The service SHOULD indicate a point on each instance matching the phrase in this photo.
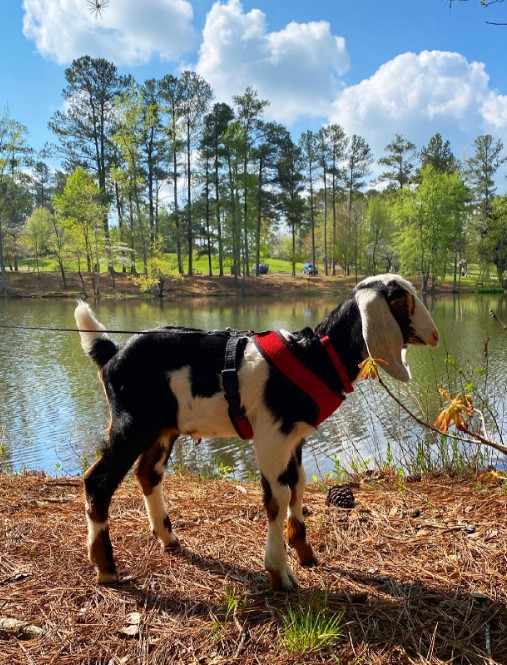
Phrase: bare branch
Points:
(473, 437)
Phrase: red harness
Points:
(275, 349)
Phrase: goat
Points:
(162, 383)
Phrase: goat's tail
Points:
(94, 340)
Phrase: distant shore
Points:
(24, 284)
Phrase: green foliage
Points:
(222, 189)
(223, 471)
(233, 603)
(81, 210)
(310, 628)
(431, 221)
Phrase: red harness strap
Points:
(274, 347)
(338, 365)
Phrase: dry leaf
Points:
(134, 618)
(130, 631)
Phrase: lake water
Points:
(53, 411)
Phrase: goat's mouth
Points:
(416, 340)
(419, 341)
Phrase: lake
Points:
(53, 411)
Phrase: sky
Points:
(376, 67)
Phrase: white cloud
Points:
(130, 32)
(417, 95)
(296, 68)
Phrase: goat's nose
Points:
(436, 336)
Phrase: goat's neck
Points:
(343, 327)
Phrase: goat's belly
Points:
(200, 417)
(205, 417)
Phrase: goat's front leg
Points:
(149, 472)
(295, 531)
(276, 501)
(272, 458)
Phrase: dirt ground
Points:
(418, 570)
(50, 285)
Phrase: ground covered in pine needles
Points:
(419, 571)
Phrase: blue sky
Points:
(377, 67)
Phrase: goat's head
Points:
(392, 316)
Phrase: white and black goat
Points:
(170, 382)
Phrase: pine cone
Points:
(414, 478)
(341, 496)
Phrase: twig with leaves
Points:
(459, 408)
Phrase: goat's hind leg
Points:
(150, 474)
(295, 531)
(101, 480)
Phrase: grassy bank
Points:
(48, 283)
(414, 573)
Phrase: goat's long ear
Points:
(382, 333)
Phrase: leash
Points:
(155, 331)
(42, 329)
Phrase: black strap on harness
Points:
(233, 352)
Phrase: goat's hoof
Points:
(285, 581)
(306, 557)
(173, 543)
(107, 578)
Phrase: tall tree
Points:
(495, 245)
(170, 94)
(309, 149)
(15, 198)
(357, 166)
(266, 154)
(400, 162)
(81, 206)
(431, 223)
(291, 182)
(235, 145)
(333, 141)
(379, 230)
(249, 111)
(480, 172)
(37, 233)
(196, 95)
(84, 129)
(132, 127)
(439, 155)
(152, 150)
(214, 154)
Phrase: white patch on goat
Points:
(208, 417)
(200, 417)
(94, 529)
(157, 514)
(381, 333)
(85, 320)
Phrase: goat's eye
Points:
(398, 303)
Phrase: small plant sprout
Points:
(233, 602)
(310, 628)
(223, 470)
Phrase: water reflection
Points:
(52, 410)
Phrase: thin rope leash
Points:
(155, 331)
(130, 332)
